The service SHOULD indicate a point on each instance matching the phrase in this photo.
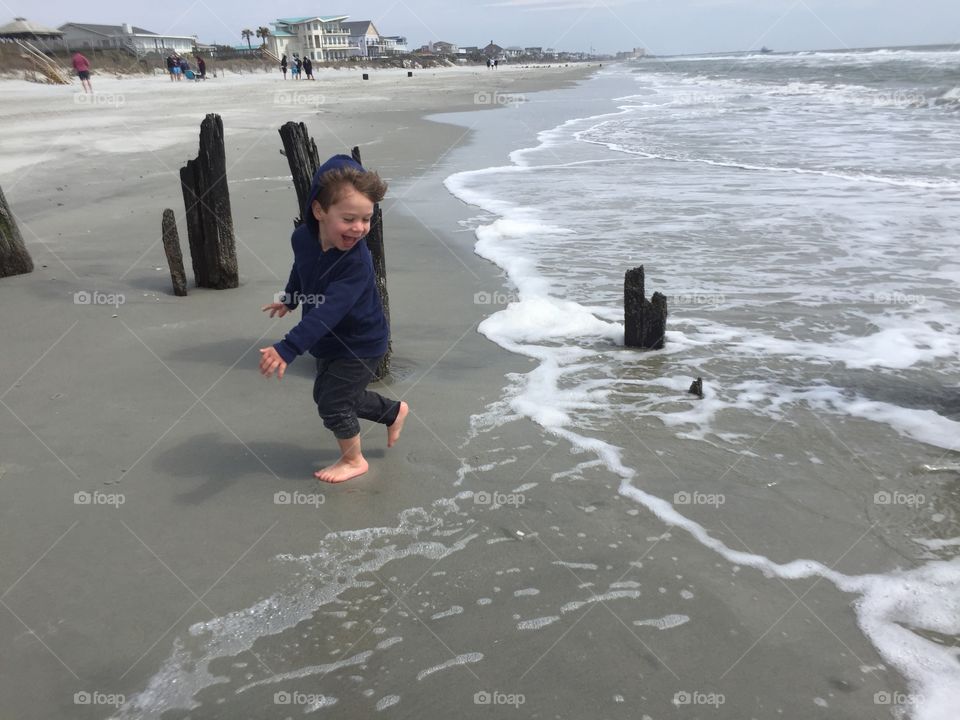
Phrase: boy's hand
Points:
(278, 309)
(270, 360)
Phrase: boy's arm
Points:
(341, 295)
(291, 293)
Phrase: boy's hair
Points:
(333, 184)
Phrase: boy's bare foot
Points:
(393, 431)
(342, 470)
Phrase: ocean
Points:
(801, 214)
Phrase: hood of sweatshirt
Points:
(334, 163)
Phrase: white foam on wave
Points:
(664, 623)
(454, 610)
(463, 659)
(321, 670)
(537, 623)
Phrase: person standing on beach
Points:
(201, 67)
(283, 66)
(82, 66)
(342, 325)
(308, 68)
(297, 64)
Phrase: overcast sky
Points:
(661, 26)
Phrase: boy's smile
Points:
(346, 222)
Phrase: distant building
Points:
(315, 37)
(492, 51)
(534, 52)
(443, 48)
(513, 51)
(137, 40)
(395, 44)
(23, 29)
(365, 38)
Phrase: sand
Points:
(179, 577)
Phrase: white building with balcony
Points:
(86, 36)
(395, 44)
(318, 38)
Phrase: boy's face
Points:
(346, 222)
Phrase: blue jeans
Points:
(341, 394)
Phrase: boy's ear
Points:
(317, 209)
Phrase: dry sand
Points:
(200, 589)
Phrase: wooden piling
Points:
(376, 247)
(14, 258)
(696, 388)
(645, 321)
(171, 247)
(206, 198)
(302, 156)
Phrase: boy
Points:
(343, 325)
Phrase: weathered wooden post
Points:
(645, 321)
(14, 258)
(375, 245)
(171, 247)
(206, 197)
(696, 388)
(302, 156)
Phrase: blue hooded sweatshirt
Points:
(342, 315)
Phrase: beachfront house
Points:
(395, 44)
(135, 40)
(443, 48)
(492, 51)
(513, 51)
(315, 37)
(365, 38)
(534, 52)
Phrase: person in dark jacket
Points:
(283, 66)
(342, 323)
(308, 68)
